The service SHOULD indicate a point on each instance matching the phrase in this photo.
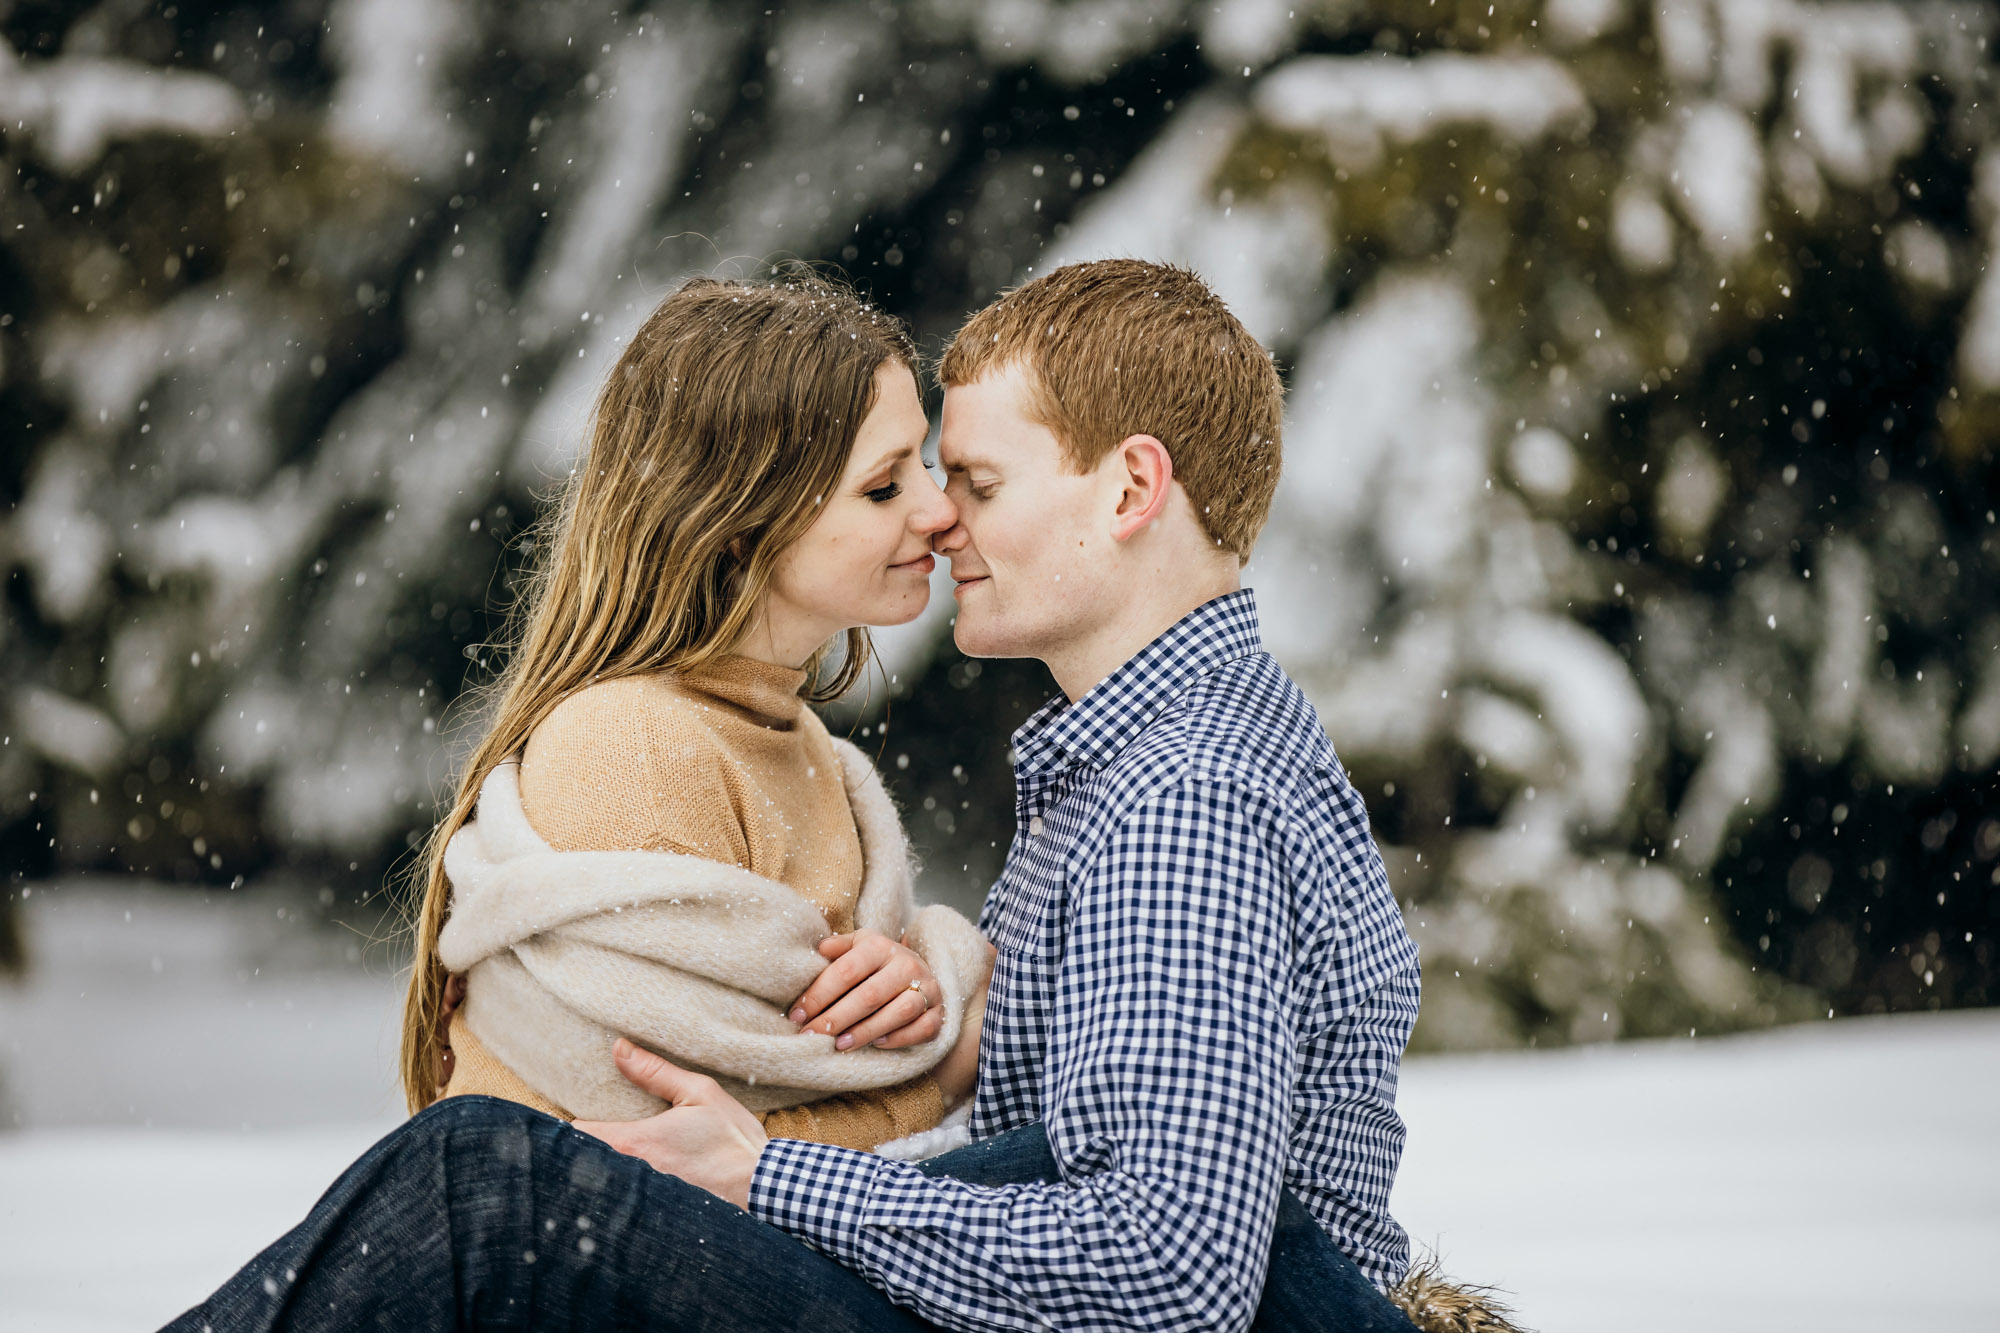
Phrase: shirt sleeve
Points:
(1166, 1101)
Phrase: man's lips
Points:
(960, 585)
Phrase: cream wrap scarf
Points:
(698, 960)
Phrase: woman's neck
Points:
(782, 635)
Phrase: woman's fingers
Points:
(865, 994)
(910, 1010)
(877, 992)
(915, 1032)
(864, 955)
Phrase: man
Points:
(1203, 987)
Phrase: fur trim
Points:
(954, 1131)
(1436, 1304)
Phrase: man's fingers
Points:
(611, 1131)
(654, 1074)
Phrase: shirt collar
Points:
(1096, 727)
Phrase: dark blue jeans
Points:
(481, 1214)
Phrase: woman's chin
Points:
(900, 612)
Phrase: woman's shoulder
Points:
(628, 714)
(628, 763)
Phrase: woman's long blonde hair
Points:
(719, 433)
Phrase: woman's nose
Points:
(934, 512)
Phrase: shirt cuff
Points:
(817, 1192)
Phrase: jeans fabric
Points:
(482, 1214)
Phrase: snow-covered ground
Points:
(151, 1006)
(1841, 1176)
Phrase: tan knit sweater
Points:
(726, 763)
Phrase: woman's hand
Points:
(865, 994)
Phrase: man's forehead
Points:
(958, 448)
(983, 424)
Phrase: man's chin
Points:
(978, 636)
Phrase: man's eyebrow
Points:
(964, 464)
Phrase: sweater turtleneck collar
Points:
(766, 692)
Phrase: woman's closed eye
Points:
(884, 494)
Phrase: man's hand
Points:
(454, 996)
(705, 1136)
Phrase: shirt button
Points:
(1035, 826)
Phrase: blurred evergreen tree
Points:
(1710, 263)
(1637, 546)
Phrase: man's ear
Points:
(1145, 473)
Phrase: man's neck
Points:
(1081, 666)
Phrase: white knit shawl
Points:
(698, 960)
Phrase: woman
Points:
(683, 830)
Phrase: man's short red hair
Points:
(1121, 347)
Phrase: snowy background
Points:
(1637, 543)
(1838, 1177)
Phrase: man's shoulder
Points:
(1246, 725)
(1247, 733)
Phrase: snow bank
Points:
(1838, 1177)
(1720, 177)
(189, 1075)
(1743, 1184)
(395, 60)
(69, 731)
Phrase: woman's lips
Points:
(923, 564)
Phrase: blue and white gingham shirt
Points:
(1204, 988)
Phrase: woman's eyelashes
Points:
(883, 494)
